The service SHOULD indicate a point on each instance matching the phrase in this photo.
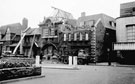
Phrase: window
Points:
(56, 32)
(87, 37)
(65, 37)
(75, 36)
(52, 31)
(133, 11)
(112, 24)
(81, 36)
(130, 32)
(45, 32)
(69, 37)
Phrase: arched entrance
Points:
(49, 50)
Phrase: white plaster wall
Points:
(121, 27)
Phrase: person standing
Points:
(41, 57)
(109, 56)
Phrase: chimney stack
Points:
(83, 14)
(25, 23)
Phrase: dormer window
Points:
(133, 11)
(112, 24)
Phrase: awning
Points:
(124, 46)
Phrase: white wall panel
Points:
(121, 27)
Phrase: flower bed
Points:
(15, 67)
(8, 64)
(19, 72)
(30, 61)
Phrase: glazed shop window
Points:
(130, 32)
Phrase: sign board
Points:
(124, 46)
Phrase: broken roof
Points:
(33, 31)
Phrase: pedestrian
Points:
(109, 56)
(41, 57)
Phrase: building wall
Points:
(49, 38)
(100, 34)
(28, 43)
(127, 9)
(121, 34)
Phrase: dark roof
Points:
(125, 16)
(105, 19)
(33, 31)
(14, 28)
(127, 5)
(72, 22)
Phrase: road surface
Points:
(85, 75)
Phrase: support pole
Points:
(70, 60)
(21, 47)
(75, 60)
(37, 60)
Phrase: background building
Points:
(83, 37)
(10, 35)
(125, 32)
(88, 37)
(49, 37)
(32, 42)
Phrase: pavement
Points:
(113, 64)
(85, 75)
(59, 66)
(75, 67)
(21, 79)
(68, 67)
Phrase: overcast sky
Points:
(13, 11)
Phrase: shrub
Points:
(17, 67)
(19, 72)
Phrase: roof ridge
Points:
(10, 24)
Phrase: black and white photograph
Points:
(67, 41)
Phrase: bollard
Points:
(37, 60)
(70, 60)
(75, 60)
